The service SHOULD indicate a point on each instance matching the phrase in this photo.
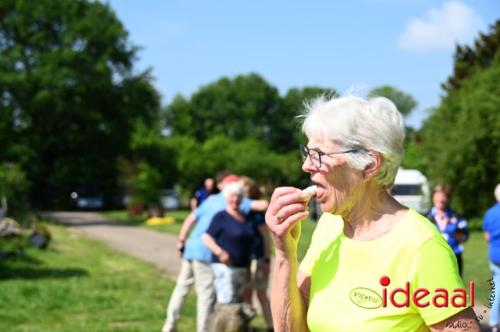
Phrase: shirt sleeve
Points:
(486, 223)
(435, 266)
(246, 205)
(202, 209)
(216, 225)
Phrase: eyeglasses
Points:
(316, 154)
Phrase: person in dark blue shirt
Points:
(203, 193)
(491, 228)
(229, 237)
(453, 227)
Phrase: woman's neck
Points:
(441, 211)
(373, 215)
(234, 212)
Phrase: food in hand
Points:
(309, 192)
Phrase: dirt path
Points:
(155, 247)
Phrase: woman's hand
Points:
(179, 247)
(288, 206)
(224, 257)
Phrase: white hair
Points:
(233, 188)
(497, 192)
(355, 123)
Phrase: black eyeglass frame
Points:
(306, 152)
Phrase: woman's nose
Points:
(307, 165)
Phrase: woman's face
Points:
(234, 201)
(440, 200)
(338, 184)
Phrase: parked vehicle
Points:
(86, 199)
(170, 199)
(411, 189)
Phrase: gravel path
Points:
(155, 247)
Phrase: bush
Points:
(14, 186)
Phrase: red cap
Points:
(230, 178)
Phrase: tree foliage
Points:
(237, 108)
(68, 95)
(461, 139)
(403, 101)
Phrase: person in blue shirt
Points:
(491, 228)
(196, 257)
(453, 227)
(203, 193)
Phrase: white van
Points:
(412, 189)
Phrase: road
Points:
(155, 247)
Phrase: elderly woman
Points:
(373, 264)
(230, 237)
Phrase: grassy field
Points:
(476, 268)
(81, 285)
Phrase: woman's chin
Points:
(326, 207)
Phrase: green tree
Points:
(461, 139)
(69, 97)
(287, 134)
(403, 101)
(237, 108)
(14, 188)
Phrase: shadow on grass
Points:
(33, 273)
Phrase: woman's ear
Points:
(372, 168)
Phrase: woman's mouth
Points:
(320, 193)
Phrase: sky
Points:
(351, 46)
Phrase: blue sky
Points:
(333, 44)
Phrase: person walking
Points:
(491, 228)
(196, 257)
(203, 193)
(230, 238)
(453, 227)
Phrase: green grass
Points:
(476, 267)
(174, 228)
(81, 285)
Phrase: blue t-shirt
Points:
(455, 224)
(257, 219)
(195, 249)
(234, 237)
(492, 226)
(201, 195)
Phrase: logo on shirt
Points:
(365, 298)
(402, 297)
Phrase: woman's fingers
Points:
(287, 224)
(289, 210)
(288, 205)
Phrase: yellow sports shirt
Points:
(350, 279)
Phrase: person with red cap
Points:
(196, 257)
